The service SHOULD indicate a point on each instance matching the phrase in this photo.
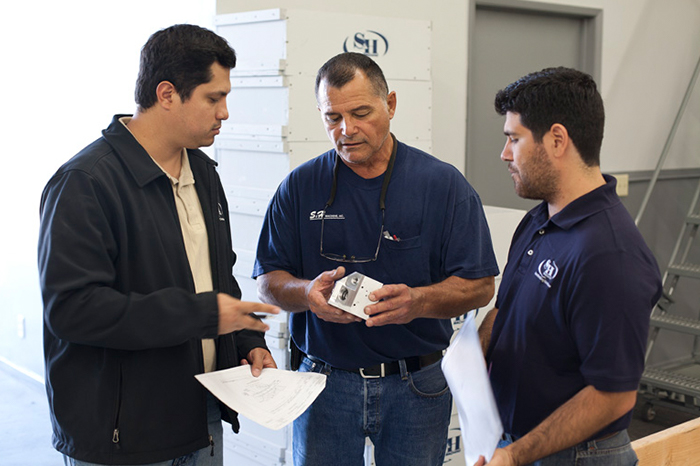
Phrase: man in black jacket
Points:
(136, 262)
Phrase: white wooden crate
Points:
(274, 106)
(295, 42)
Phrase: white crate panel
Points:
(250, 143)
(240, 169)
(413, 118)
(302, 151)
(260, 43)
(248, 287)
(257, 81)
(250, 17)
(256, 133)
(255, 207)
(454, 454)
(279, 331)
(243, 270)
(402, 45)
(243, 449)
(258, 106)
(245, 230)
(298, 42)
(502, 223)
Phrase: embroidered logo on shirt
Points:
(221, 213)
(318, 215)
(546, 272)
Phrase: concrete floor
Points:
(25, 427)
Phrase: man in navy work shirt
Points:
(567, 338)
(401, 217)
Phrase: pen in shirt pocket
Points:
(391, 237)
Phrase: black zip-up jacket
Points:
(122, 323)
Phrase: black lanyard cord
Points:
(385, 184)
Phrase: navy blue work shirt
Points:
(436, 228)
(574, 307)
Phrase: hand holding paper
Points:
(273, 400)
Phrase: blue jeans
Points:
(612, 451)
(406, 416)
(201, 457)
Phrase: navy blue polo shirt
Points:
(574, 306)
(437, 228)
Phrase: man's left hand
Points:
(398, 304)
(500, 457)
(259, 359)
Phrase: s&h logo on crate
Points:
(370, 43)
(454, 445)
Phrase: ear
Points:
(391, 104)
(559, 138)
(165, 92)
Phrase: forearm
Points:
(486, 329)
(284, 290)
(102, 316)
(454, 296)
(588, 412)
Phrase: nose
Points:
(348, 127)
(507, 153)
(222, 114)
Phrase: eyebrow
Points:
(352, 110)
(218, 94)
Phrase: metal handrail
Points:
(669, 140)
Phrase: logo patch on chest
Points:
(318, 215)
(547, 271)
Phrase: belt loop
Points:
(402, 369)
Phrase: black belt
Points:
(413, 364)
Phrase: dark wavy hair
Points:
(340, 70)
(558, 95)
(181, 54)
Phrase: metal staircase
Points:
(676, 383)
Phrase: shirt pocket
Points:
(403, 260)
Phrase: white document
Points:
(273, 400)
(465, 370)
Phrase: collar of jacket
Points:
(135, 157)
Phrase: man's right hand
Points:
(235, 314)
(317, 293)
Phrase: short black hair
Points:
(181, 54)
(341, 69)
(558, 95)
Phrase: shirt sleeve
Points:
(610, 304)
(467, 248)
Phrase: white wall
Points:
(68, 66)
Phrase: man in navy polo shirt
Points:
(567, 338)
(402, 217)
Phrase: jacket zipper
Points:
(115, 433)
(211, 442)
